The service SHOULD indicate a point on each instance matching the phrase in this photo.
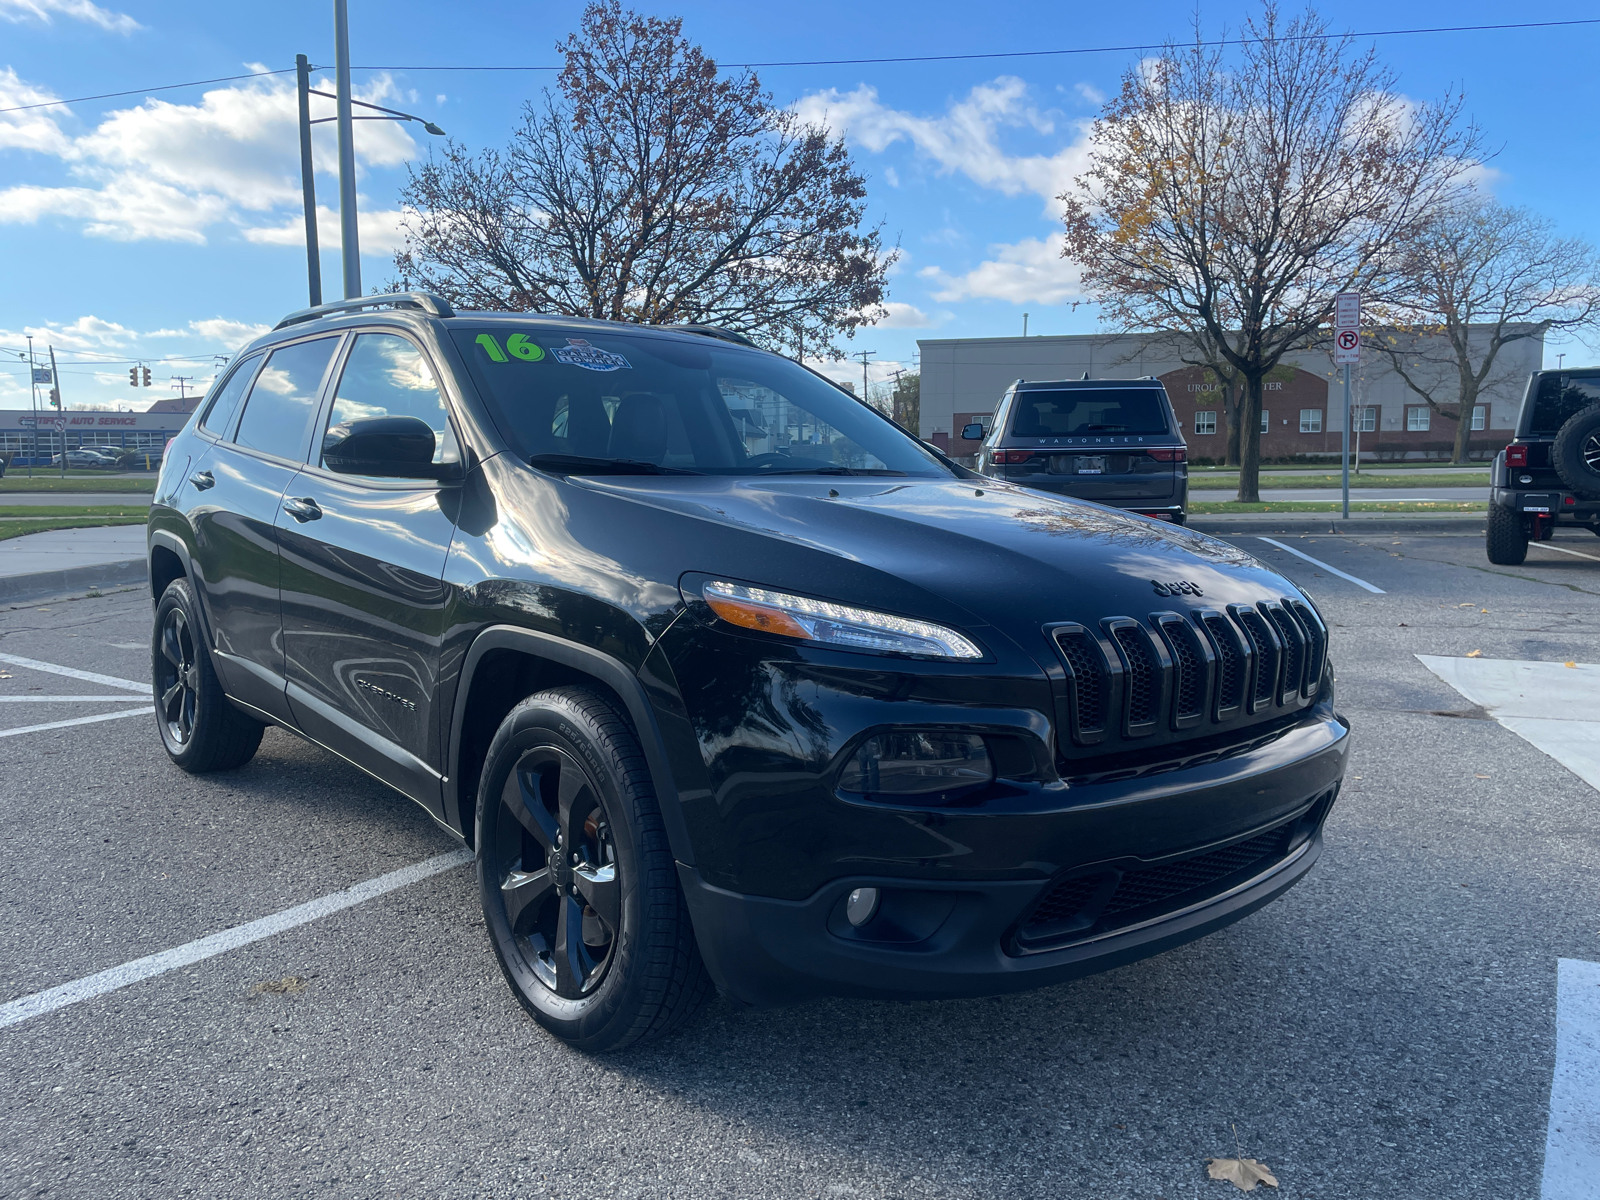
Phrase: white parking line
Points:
(33, 664)
(1572, 1139)
(1564, 550)
(1317, 562)
(116, 716)
(90, 986)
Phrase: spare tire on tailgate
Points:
(1575, 454)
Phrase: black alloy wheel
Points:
(199, 728)
(557, 862)
(577, 879)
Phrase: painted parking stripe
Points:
(1572, 1139)
(116, 716)
(90, 986)
(1564, 550)
(33, 664)
(1317, 562)
(71, 699)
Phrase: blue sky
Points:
(166, 225)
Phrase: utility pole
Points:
(349, 241)
(61, 408)
(308, 184)
(181, 380)
(863, 355)
(34, 401)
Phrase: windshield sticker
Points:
(579, 353)
(520, 347)
(492, 347)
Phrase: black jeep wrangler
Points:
(729, 680)
(1550, 474)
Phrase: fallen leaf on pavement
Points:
(1480, 777)
(1483, 610)
(1573, 665)
(1474, 653)
(1243, 1173)
(1464, 606)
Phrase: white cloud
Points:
(227, 333)
(904, 316)
(164, 171)
(965, 139)
(1090, 93)
(33, 130)
(77, 10)
(379, 230)
(1029, 271)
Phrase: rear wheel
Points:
(1507, 537)
(199, 728)
(579, 888)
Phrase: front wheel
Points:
(201, 731)
(579, 888)
(1506, 539)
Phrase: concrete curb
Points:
(14, 588)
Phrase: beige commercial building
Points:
(963, 378)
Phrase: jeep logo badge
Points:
(1177, 587)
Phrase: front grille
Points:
(1100, 902)
(1143, 696)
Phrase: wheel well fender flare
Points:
(165, 539)
(604, 669)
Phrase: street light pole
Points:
(308, 183)
(349, 242)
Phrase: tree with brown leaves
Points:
(650, 187)
(1477, 278)
(1231, 195)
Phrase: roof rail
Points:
(716, 331)
(433, 305)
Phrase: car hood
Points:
(1003, 553)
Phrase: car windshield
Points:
(594, 401)
(1079, 411)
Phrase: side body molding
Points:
(608, 670)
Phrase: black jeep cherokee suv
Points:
(727, 678)
(1550, 473)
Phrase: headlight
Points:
(833, 624)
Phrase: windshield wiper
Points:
(582, 464)
(828, 471)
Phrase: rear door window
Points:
(1088, 412)
(277, 416)
(1560, 398)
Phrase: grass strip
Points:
(1219, 483)
(46, 512)
(15, 481)
(1215, 507)
(11, 527)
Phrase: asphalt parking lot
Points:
(1386, 1028)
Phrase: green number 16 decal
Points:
(517, 343)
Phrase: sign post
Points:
(1346, 350)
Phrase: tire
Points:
(1506, 539)
(1575, 454)
(595, 941)
(200, 730)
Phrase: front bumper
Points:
(970, 937)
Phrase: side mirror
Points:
(972, 432)
(390, 447)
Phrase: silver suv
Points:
(1113, 441)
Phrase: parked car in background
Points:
(727, 678)
(1113, 441)
(1550, 473)
(84, 459)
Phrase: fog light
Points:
(917, 764)
(861, 906)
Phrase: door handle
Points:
(203, 480)
(302, 509)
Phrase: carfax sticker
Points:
(579, 353)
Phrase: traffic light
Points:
(133, 376)
(147, 377)
(55, 397)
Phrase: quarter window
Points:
(1310, 420)
(283, 400)
(1205, 420)
(1417, 420)
(386, 376)
(219, 414)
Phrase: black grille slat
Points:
(1088, 679)
(1266, 653)
(1230, 666)
(1294, 651)
(1190, 700)
(1143, 686)
(1316, 645)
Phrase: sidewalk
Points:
(71, 560)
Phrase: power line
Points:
(852, 62)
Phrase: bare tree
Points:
(1231, 199)
(1469, 283)
(651, 188)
